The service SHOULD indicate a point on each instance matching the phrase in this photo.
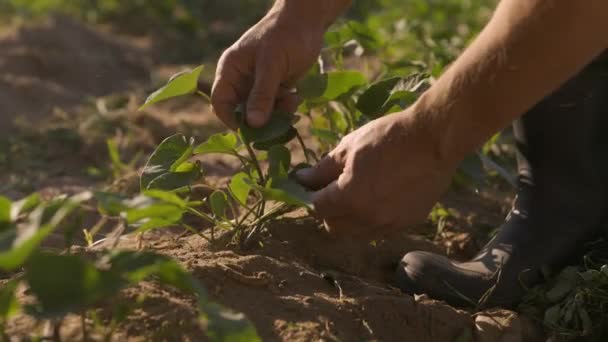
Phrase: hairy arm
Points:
(529, 48)
(390, 172)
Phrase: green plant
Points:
(69, 283)
(572, 304)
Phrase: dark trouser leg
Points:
(562, 201)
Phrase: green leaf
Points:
(286, 191)
(218, 143)
(66, 283)
(24, 205)
(342, 82)
(165, 196)
(552, 316)
(283, 139)
(320, 88)
(9, 305)
(566, 282)
(155, 215)
(313, 84)
(278, 125)
(5, 212)
(186, 174)
(114, 153)
(183, 83)
(110, 204)
(400, 99)
(219, 203)
(167, 168)
(279, 160)
(240, 188)
(372, 101)
(17, 245)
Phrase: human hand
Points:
(262, 67)
(387, 174)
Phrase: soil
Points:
(297, 284)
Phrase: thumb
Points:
(264, 92)
(320, 175)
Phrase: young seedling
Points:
(243, 206)
(67, 283)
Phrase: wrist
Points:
(445, 125)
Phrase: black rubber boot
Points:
(562, 202)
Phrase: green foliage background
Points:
(432, 30)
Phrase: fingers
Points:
(288, 101)
(325, 172)
(268, 75)
(224, 99)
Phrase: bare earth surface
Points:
(298, 284)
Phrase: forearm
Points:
(320, 13)
(529, 48)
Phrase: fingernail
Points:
(304, 174)
(256, 118)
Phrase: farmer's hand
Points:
(387, 174)
(262, 67)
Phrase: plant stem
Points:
(257, 224)
(256, 163)
(205, 96)
(192, 230)
(200, 214)
(304, 149)
(83, 324)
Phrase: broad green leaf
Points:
(5, 212)
(239, 187)
(400, 99)
(219, 203)
(218, 143)
(313, 84)
(552, 316)
(9, 305)
(166, 196)
(110, 204)
(342, 82)
(24, 205)
(279, 161)
(67, 283)
(338, 122)
(184, 83)
(371, 102)
(17, 245)
(283, 139)
(286, 191)
(167, 168)
(566, 282)
(320, 88)
(280, 123)
(186, 174)
(156, 215)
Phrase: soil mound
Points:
(61, 63)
